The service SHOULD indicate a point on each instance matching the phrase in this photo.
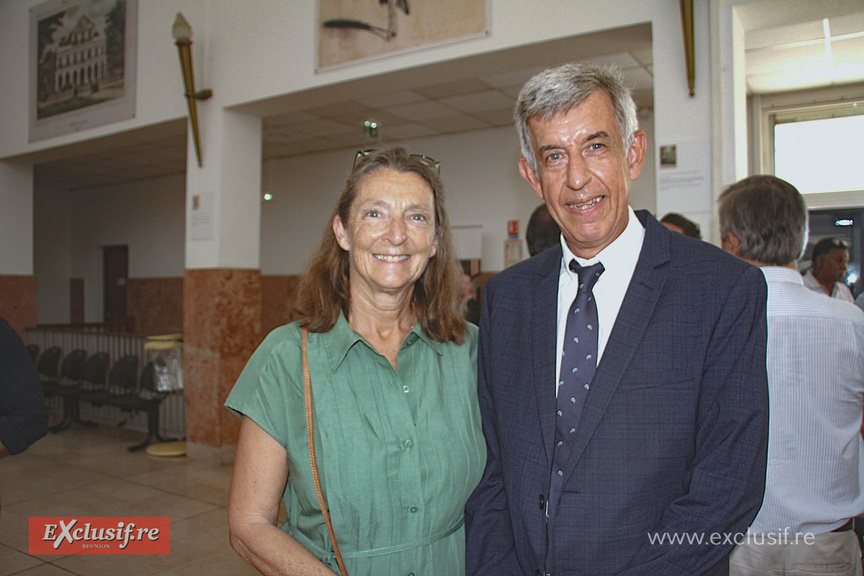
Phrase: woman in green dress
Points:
(393, 367)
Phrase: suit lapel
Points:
(628, 331)
(544, 315)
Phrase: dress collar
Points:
(342, 338)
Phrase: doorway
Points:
(115, 274)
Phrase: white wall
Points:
(16, 219)
(159, 81)
(147, 216)
(52, 255)
(261, 49)
(481, 181)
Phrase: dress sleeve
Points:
(271, 382)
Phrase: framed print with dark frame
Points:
(82, 65)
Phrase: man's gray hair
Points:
(560, 89)
(768, 215)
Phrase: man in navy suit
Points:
(662, 468)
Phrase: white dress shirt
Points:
(815, 360)
(841, 291)
(619, 262)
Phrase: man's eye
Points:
(373, 213)
(418, 217)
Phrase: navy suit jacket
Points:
(673, 436)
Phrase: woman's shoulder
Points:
(287, 333)
(469, 338)
(280, 342)
(471, 332)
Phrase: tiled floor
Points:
(89, 472)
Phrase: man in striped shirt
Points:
(815, 479)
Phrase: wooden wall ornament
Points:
(687, 25)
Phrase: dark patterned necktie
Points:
(578, 362)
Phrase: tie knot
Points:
(588, 275)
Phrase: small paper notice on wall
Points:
(685, 177)
(201, 216)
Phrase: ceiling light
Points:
(829, 54)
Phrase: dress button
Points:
(413, 509)
(409, 443)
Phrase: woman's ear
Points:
(341, 234)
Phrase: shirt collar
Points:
(782, 274)
(621, 250)
(342, 338)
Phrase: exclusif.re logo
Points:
(100, 535)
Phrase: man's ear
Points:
(733, 244)
(530, 176)
(636, 156)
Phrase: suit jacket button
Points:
(538, 573)
(542, 502)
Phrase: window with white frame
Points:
(821, 150)
(814, 140)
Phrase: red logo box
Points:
(100, 535)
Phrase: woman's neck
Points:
(384, 320)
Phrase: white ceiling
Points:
(786, 49)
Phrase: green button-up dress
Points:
(399, 452)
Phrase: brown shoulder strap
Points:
(307, 394)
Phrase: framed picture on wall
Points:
(351, 30)
(82, 65)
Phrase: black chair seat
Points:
(145, 398)
(131, 402)
(93, 386)
(65, 384)
(54, 388)
(94, 397)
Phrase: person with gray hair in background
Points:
(815, 479)
(621, 373)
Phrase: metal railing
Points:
(172, 413)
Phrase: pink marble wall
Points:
(155, 305)
(277, 293)
(18, 301)
(221, 329)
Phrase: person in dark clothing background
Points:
(23, 417)
(542, 231)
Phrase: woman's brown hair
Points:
(324, 289)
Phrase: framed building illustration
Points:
(82, 65)
(351, 30)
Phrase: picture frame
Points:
(356, 30)
(82, 59)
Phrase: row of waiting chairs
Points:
(80, 377)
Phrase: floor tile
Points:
(88, 472)
(12, 561)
